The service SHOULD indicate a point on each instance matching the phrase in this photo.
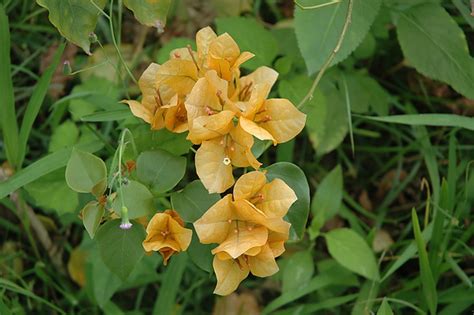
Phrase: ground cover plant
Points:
(236, 157)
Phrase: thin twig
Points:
(317, 6)
(331, 56)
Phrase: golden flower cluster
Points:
(248, 225)
(202, 92)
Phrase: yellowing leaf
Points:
(150, 12)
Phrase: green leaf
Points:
(294, 177)
(149, 140)
(91, 216)
(385, 308)
(160, 170)
(109, 115)
(52, 192)
(298, 270)
(65, 135)
(74, 19)
(350, 250)
(35, 102)
(42, 167)
(101, 283)
(8, 121)
(137, 198)
(250, 36)
(150, 12)
(175, 42)
(427, 281)
(86, 173)
(318, 30)
(193, 201)
(436, 46)
(120, 249)
(442, 120)
(201, 254)
(166, 302)
(327, 200)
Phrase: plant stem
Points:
(317, 6)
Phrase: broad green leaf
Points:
(294, 177)
(160, 170)
(365, 92)
(110, 115)
(65, 135)
(120, 249)
(52, 193)
(166, 302)
(91, 216)
(327, 200)
(367, 48)
(150, 12)
(176, 42)
(201, 254)
(326, 125)
(427, 282)
(298, 270)
(86, 173)
(149, 140)
(193, 201)
(318, 30)
(436, 46)
(442, 120)
(250, 36)
(350, 250)
(101, 283)
(137, 198)
(74, 19)
(42, 167)
(385, 308)
(8, 121)
(35, 102)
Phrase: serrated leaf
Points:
(193, 201)
(150, 12)
(86, 173)
(436, 46)
(74, 19)
(160, 170)
(350, 250)
(318, 30)
(294, 177)
(136, 197)
(120, 249)
(250, 36)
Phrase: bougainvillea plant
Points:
(230, 120)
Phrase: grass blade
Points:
(35, 102)
(7, 105)
(427, 281)
(458, 271)
(441, 120)
(165, 305)
(42, 167)
(111, 115)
